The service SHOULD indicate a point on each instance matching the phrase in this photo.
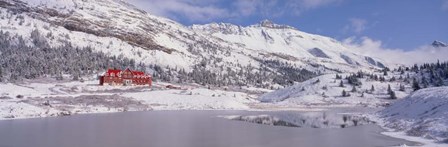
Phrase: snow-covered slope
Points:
(423, 113)
(286, 40)
(326, 90)
(120, 29)
(110, 26)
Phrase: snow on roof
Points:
(115, 71)
(137, 72)
(134, 72)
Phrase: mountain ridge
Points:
(118, 28)
(276, 38)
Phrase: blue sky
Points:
(396, 24)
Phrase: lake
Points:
(180, 129)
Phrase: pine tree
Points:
(1, 74)
(392, 79)
(338, 76)
(389, 90)
(317, 81)
(415, 85)
(439, 81)
(402, 88)
(372, 89)
(382, 79)
(354, 89)
(392, 95)
(341, 84)
(425, 82)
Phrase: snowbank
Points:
(196, 99)
(12, 90)
(423, 113)
(46, 99)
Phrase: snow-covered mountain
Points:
(286, 40)
(119, 29)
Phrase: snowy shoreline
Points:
(67, 98)
(37, 100)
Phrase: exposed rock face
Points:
(86, 19)
(269, 24)
(318, 53)
(439, 44)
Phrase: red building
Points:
(125, 77)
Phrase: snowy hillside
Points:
(367, 88)
(119, 29)
(328, 90)
(285, 40)
(423, 113)
(110, 26)
(414, 98)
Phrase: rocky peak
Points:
(437, 43)
(266, 23)
(269, 24)
(225, 28)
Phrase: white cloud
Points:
(374, 48)
(197, 11)
(209, 10)
(246, 7)
(445, 5)
(299, 6)
(309, 4)
(356, 25)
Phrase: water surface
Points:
(179, 129)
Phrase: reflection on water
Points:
(304, 120)
(179, 129)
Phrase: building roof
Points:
(116, 72)
(138, 73)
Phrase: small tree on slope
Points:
(389, 90)
(354, 89)
(392, 95)
(415, 85)
(341, 84)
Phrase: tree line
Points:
(20, 61)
